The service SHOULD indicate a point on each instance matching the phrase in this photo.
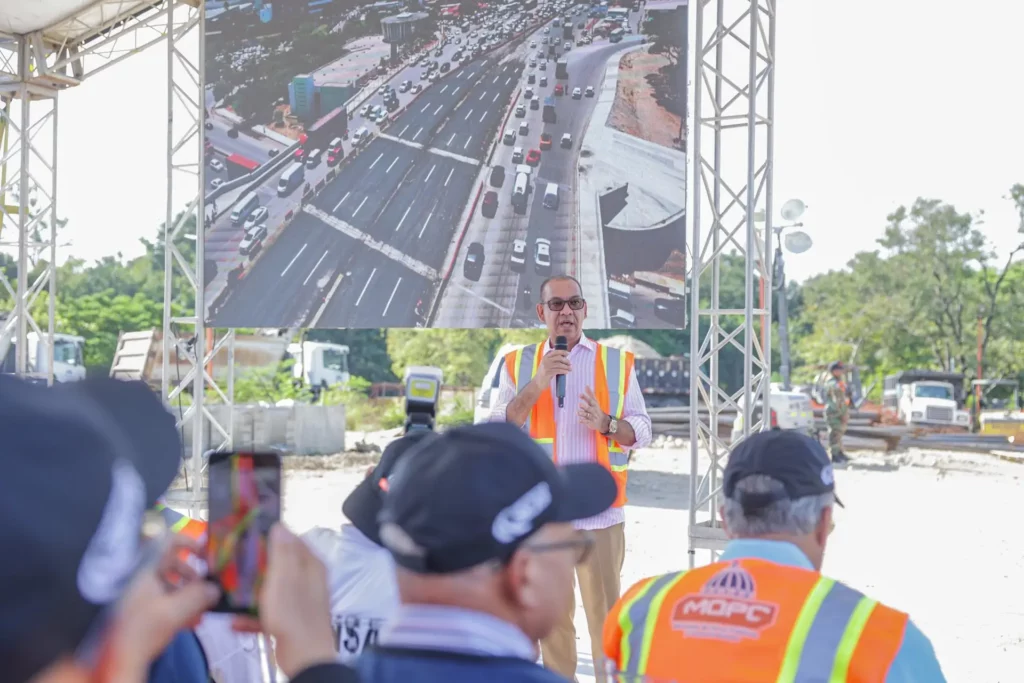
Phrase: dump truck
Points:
(926, 398)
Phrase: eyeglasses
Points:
(576, 303)
(583, 544)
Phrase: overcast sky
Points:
(876, 104)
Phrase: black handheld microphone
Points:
(561, 344)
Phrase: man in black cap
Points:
(361, 573)
(837, 411)
(479, 521)
(73, 495)
(764, 606)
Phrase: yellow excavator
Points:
(999, 408)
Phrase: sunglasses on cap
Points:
(576, 303)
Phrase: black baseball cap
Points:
(836, 365)
(796, 460)
(363, 505)
(475, 493)
(82, 464)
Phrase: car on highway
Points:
(313, 160)
(542, 256)
(547, 29)
(520, 110)
(417, 89)
(559, 89)
(489, 207)
(671, 310)
(445, 68)
(533, 157)
(300, 154)
(510, 137)
(528, 93)
(216, 182)
(534, 104)
(517, 258)
(252, 240)
(256, 217)
(524, 129)
(545, 141)
(543, 67)
(517, 155)
(543, 79)
(577, 93)
(566, 142)
(589, 92)
(473, 266)
(365, 111)
(217, 165)
(566, 46)
(497, 176)
(533, 63)
(533, 44)
(532, 78)
(425, 74)
(406, 84)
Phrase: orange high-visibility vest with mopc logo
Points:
(611, 380)
(750, 621)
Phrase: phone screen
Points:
(245, 502)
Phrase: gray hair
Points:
(796, 517)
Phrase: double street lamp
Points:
(796, 242)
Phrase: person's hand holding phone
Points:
(294, 605)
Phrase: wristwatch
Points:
(613, 426)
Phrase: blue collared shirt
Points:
(915, 661)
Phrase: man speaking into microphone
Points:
(580, 401)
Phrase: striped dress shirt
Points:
(575, 442)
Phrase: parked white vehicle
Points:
(790, 410)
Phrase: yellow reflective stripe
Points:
(851, 636)
(537, 355)
(651, 623)
(626, 625)
(622, 385)
(619, 468)
(543, 441)
(180, 524)
(795, 646)
(514, 370)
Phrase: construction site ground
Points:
(936, 534)
(645, 85)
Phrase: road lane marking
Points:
(372, 273)
(466, 145)
(449, 176)
(496, 78)
(443, 89)
(508, 80)
(430, 172)
(314, 269)
(409, 208)
(432, 150)
(429, 216)
(438, 110)
(455, 92)
(376, 160)
(417, 133)
(452, 139)
(392, 164)
(338, 205)
(496, 96)
(294, 259)
(391, 298)
(359, 207)
(425, 107)
(469, 291)
(327, 299)
(468, 113)
(483, 116)
(418, 267)
(404, 129)
(483, 95)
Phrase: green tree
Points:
(463, 355)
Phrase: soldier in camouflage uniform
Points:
(837, 411)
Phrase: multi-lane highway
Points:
(344, 261)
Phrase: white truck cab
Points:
(320, 364)
(790, 410)
(68, 355)
(925, 397)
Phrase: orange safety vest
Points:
(181, 524)
(611, 382)
(750, 621)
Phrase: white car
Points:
(533, 44)
(417, 88)
(589, 92)
(566, 141)
(216, 182)
(577, 93)
(217, 165)
(542, 256)
(252, 239)
(518, 256)
(365, 111)
(255, 218)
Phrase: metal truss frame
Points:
(186, 335)
(734, 83)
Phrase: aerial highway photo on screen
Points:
(418, 164)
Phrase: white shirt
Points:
(454, 629)
(363, 589)
(232, 657)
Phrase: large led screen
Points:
(398, 164)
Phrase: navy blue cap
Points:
(797, 461)
(363, 505)
(475, 493)
(82, 464)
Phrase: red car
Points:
(545, 141)
(533, 157)
(559, 89)
(299, 154)
(490, 206)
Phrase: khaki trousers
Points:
(599, 587)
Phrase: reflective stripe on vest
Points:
(181, 524)
(820, 647)
(611, 376)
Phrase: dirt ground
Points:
(645, 85)
(934, 534)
